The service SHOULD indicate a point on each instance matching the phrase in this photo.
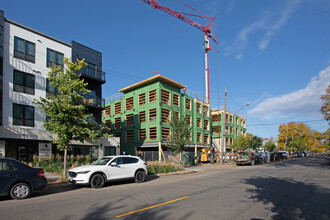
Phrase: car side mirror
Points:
(113, 164)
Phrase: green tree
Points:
(270, 146)
(325, 109)
(240, 144)
(181, 134)
(254, 142)
(68, 116)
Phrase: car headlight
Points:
(83, 172)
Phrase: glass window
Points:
(6, 165)
(24, 49)
(128, 160)
(54, 57)
(23, 82)
(50, 89)
(23, 115)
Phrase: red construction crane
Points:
(206, 30)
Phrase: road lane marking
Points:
(151, 207)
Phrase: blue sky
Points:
(273, 54)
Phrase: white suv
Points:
(109, 168)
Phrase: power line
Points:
(286, 123)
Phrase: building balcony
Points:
(94, 102)
(92, 74)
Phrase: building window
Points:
(216, 129)
(165, 97)
(152, 133)
(90, 70)
(236, 132)
(142, 99)
(236, 121)
(199, 109)
(176, 115)
(206, 124)
(215, 117)
(175, 99)
(107, 111)
(24, 49)
(199, 122)
(129, 103)
(117, 123)
(188, 119)
(188, 104)
(129, 120)
(118, 108)
(142, 134)
(54, 58)
(166, 134)
(206, 111)
(152, 96)
(206, 139)
(129, 136)
(166, 117)
(152, 114)
(199, 137)
(23, 115)
(50, 89)
(142, 117)
(108, 124)
(23, 82)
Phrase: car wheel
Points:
(97, 181)
(140, 176)
(20, 191)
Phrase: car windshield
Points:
(102, 161)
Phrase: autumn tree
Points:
(249, 141)
(66, 112)
(240, 144)
(325, 109)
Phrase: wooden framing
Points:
(188, 119)
(142, 99)
(199, 122)
(117, 123)
(166, 116)
(129, 136)
(117, 134)
(165, 97)
(199, 137)
(176, 100)
(153, 133)
(152, 96)
(199, 109)
(176, 114)
(142, 134)
(142, 117)
(188, 104)
(107, 124)
(216, 129)
(216, 118)
(166, 132)
(129, 120)
(117, 108)
(152, 114)
(206, 124)
(107, 111)
(206, 139)
(206, 111)
(236, 131)
(227, 141)
(129, 103)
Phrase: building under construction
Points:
(141, 116)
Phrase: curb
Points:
(65, 185)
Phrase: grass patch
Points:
(155, 167)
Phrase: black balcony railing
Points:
(93, 101)
(92, 73)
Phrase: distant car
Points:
(285, 155)
(301, 154)
(19, 180)
(294, 155)
(245, 157)
(109, 168)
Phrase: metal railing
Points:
(93, 73)
(93, 101)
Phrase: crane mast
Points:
(206, 30)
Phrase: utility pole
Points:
(286, 137)
(223, 130)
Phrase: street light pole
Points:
(223, 130)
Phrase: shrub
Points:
(155, 167)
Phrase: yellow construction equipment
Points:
(208, 155)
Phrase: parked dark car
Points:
(294, 155)
(285, 155)
(262, 157)
(245, 157)
(19, 180)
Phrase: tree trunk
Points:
(64, 166)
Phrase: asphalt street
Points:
(292, 189)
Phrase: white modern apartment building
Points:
(25, 58)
